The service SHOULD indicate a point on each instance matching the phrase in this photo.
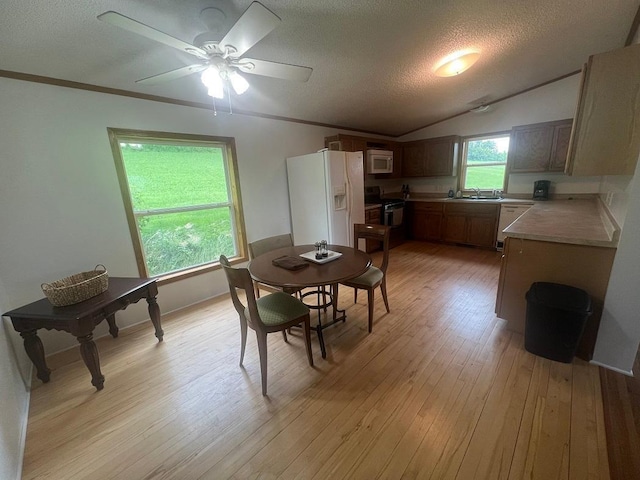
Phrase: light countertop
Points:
(578, 221)
(499, 201)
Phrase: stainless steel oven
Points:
(392, 208)
(392, 213)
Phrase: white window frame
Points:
(463, 161)
(118, 136)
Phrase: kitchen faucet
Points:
(477, 190)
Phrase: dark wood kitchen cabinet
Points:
(354, 143)
(433, 157)
(470, 223)
(539, 147)
(425, 220)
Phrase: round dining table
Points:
(350, 264)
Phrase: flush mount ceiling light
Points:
(456, 63)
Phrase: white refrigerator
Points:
(326, 195)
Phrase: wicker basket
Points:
(77, 288)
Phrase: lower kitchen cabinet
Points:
(425, 220)
(527, 261)
(470, 224)
(465, 223)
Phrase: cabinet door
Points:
(560, 148)
(455, 228)
(481, 230)
(413, 159)
(419, 221)
(605, 138)
(440, 161)
(530, 148)
(433, 226)
(359, 144)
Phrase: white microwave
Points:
(379, 161)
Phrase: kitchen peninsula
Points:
(572, 242)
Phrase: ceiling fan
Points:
(221, 61)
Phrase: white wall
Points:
(555, 101)
(619, 333)
(61, 210)
(15, 369)
(61, 206)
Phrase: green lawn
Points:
(485, 178)
(173, 176)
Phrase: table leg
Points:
(113, 328)
(89, 353)
(35, 351)
(154, 313)
(318, 330)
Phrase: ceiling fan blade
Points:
(254, 24)
(172, 75)
(119, 20)
(274, 69)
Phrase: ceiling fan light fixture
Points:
(212, 80)
(456, 63)
(238, 82)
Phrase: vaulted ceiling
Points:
(372, 60)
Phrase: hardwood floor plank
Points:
(440, 389)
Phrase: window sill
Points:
(192, 272)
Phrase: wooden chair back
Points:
(379, 233)
(265, 245)
(240, 279)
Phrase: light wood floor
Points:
(440, 389)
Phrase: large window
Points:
(484, 162)
(182, 199)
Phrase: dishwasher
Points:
(508, 215)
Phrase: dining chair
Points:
(265, 245)
(272, 313)
(374, 276)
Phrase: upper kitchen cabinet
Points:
(539, 147)
(346, 143)
(354, 143)
(606, 139)
(433, 157)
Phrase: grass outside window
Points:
(182, 199)
(484, 162)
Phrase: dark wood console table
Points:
(80, 320)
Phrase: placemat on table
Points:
(290, 263)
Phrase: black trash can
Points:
(556, 317)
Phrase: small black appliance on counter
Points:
(541, 189)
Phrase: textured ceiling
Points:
(372, 60)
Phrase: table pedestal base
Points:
(338, 315)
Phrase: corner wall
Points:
(619, 333)
(62, 211)
(15, 372)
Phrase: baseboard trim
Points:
(628, 373)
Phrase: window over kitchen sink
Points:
(484, 162)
